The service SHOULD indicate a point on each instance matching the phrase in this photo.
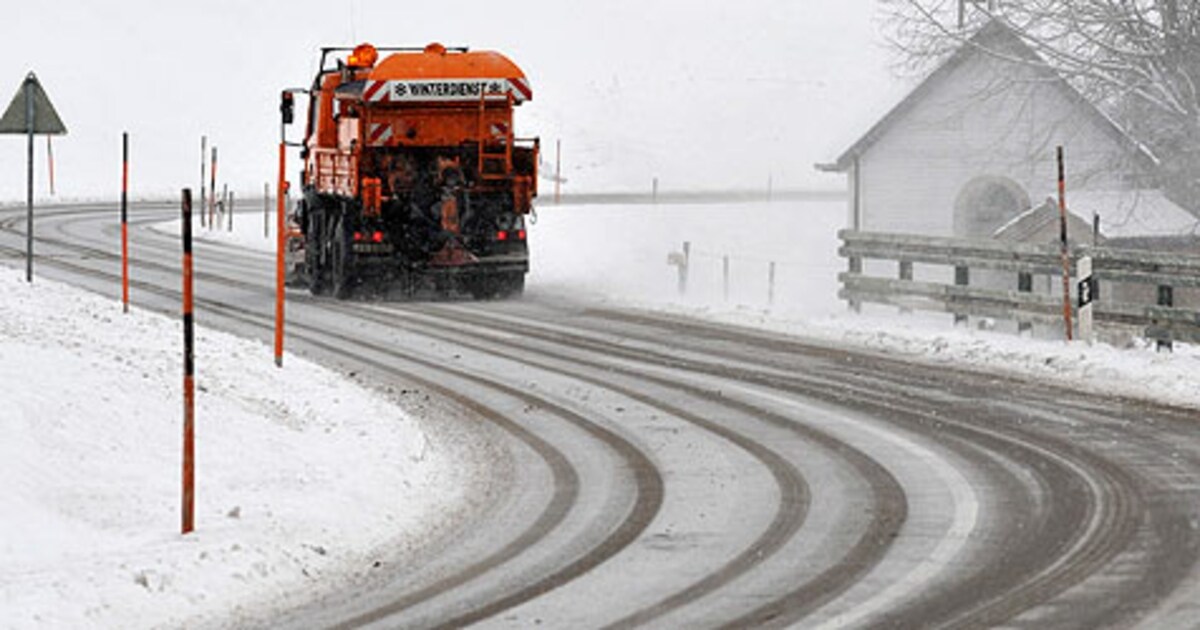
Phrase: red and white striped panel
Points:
(520, 89)
(376, 92)
(379, 135)
(446, 90)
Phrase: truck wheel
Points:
(312, 255)
(341, 272)
(514, 285)
(480, 287)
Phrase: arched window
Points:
(986, 203)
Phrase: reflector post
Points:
(125, 220)
(280, 244)
(189, 370)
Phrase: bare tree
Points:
(1139, 60)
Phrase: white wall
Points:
(987, 117)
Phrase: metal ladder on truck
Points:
(494, 165)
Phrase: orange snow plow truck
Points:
(413, 178)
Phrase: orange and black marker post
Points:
(189, 385)
(280, 244)
(125, 220)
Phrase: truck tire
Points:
(515, 285)
(312, 253)
(341, 273)
(508, 285)
(481, 287)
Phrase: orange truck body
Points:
(413, 176)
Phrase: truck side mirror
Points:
(287, 107)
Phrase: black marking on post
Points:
(1166, 298)
(962, 278)
(1024, 285)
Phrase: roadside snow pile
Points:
(304, 479)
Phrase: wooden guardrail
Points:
(1164, 321)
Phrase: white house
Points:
(973, 147)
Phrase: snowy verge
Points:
(305, 480)
(1137, 372)
(801, 237)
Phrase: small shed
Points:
(1043, 225)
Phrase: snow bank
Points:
(1137, 372)
(298, 488)
(618, 255)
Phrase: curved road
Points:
(646, 470)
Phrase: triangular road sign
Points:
(45, 119)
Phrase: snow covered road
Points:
(639, 468)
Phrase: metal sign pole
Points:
(30, 113)
(50, 162)
(29, 118)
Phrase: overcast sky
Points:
(699, 93)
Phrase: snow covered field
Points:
(298, 488)
(299, 494)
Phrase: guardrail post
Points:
(856, 268)
(266, 210)
(203, 181)
(771, 284)
(962, 278)
(725, 276)
(212, 192)
(1166, 297)
(681, 260)
(687, 264)
(906, 274)
(1024, 285)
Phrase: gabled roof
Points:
(1124, 215)
(1025, 227)
(994, 37)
